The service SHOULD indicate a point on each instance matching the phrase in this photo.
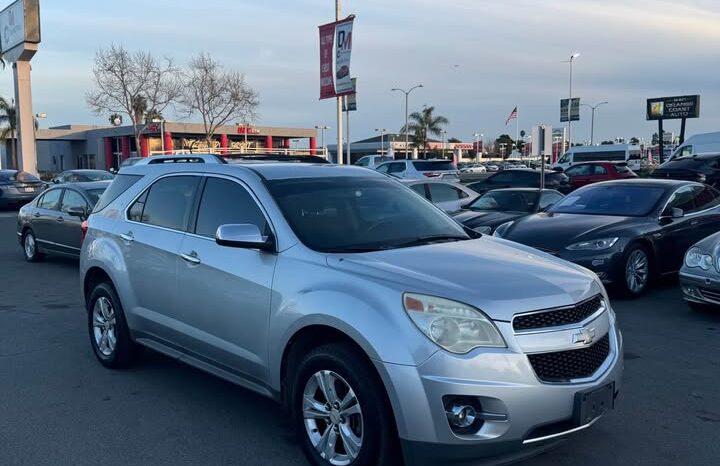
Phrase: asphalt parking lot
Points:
(58, 406)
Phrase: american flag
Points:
(512, 116)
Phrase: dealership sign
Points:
(19, 22)
(574, 110)
(669, 108)
(335, 52)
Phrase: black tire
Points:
(379, 446)
(625, 284)
(125, 351)
(31, 253)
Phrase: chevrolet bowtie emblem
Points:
(586, 336)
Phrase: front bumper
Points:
(15, 197)
(700, 289)
(607, 265)
(522, 415)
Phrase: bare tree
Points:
(131, 84)
(217, 95)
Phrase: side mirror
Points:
(677, 213)
(55, 180)
(79, 212)
(668, 215)
(244, 235)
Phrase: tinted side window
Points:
(579, 170)
(226, 202)
(505, 177)
(396, 167)
(548, 199)
(682, 199)
(706, 198)
(136, 210)
(363, 162)
(526, 178)
(120, 184)
(420, 189)
(50, 200)
(443, 193)
(72, 199)
(599, 170)
(169, 202)
(383, 168)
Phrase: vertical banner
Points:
(335, 52)
(327, 83)
(343, 49)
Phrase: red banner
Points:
(327, 83)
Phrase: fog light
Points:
(690, 291)
(462, 414)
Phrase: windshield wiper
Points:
(429, 239)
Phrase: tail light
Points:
(431, 174)
(83, 231)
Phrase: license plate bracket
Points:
(591, 404)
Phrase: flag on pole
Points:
(512, 116)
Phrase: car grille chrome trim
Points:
(708, 294)
(563, 317)
(571, 365)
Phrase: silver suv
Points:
(305, 283)
(439, 169)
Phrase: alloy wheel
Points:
(30, 246)
(333, 418)
(637, 271)
(104, 326)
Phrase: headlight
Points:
(453, 326)
(593, 245)
(696, 258)
(485, 230)
(502, 229)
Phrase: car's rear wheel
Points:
(30, 247)
(637, 271)
(340, 410)
(109, 335)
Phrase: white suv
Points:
(420, 169)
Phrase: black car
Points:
(83, 176)
(17, 188)
(522, 178)
(51, 224)
(498, 206)
(626, 231)
(703, 168)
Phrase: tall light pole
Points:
(572, 58)
(382, 132)
(477, 147)
(592, 119)
(407, 93)
(322, 137)
(444, 136)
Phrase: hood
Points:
(554, 231)
(492, 218)
(496, 276)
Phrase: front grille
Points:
(563, 366)
(558, 317)
(710, 294)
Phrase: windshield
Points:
(353, 214)
(633, 201)
(514, 201)
(95, 176)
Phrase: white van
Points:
(698, 144)
(629, 153)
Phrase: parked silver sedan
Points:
(447, 195)
(375, 318)
(52, 222)
(700, 274)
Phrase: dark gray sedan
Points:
(17, 188)
(83, 176)
(52, 223)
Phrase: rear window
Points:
(433, 165)
(94, 195)
(12, 175)
(120, 184)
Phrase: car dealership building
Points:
(103, 147)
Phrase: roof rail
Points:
(184, 158)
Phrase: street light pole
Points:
(382, 139)
(572, 57)
(592, 119)
(322, 136)
(407, 93)
(444, 135)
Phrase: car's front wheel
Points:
(109, 334)
(340, 409)
(30, 247)
(637, 271)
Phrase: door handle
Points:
(190, 257)
(59, 219)
(36, 215)
(127, 237)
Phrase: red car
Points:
(583, 174)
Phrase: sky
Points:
(477, 59)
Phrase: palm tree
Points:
(423, 123)
(8, 116)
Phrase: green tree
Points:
(8, 116)
(423, 123)
(634, 140)
(504, 144)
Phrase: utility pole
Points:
(572, 57)
(592, 119)
(407, 93)
(382, 139)
(339, 105)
